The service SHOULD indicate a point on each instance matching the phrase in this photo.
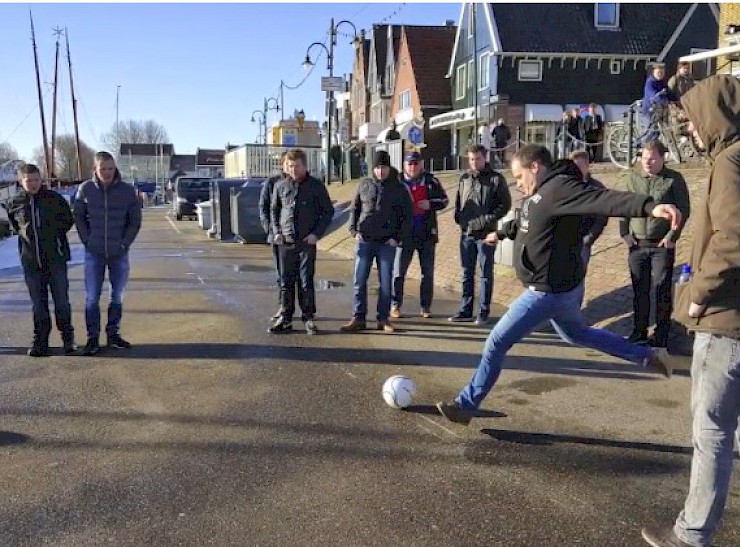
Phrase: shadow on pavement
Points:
(8, 438)
(431, 410)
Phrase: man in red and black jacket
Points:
(428, 196)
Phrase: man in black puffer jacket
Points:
(380, 222)
(547, 249)
(42, 218)
(107, 214)
(482, 199)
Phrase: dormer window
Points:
(606, 15)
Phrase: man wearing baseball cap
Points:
(428, 197)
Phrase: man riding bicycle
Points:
(655, 101)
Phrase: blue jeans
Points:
(474, 251)
(715, 406)
(39, 282)
(425, 251)
(526, 312)
(384, 255)
(118, 270)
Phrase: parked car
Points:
(188, 192)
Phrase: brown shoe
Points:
(385, 326)
(425, 313)
(396, 312)
(355, 325)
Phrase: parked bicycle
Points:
(667, 123)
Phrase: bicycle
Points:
(665, 121)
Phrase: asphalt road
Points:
(209, 431)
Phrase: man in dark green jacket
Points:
(652, 244)
(42, 218)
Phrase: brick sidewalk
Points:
(608, 301)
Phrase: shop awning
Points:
(543, 113)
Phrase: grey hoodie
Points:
(107, 218)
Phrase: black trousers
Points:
(39, 282)
(297, 268)
(651, 269)
(276, 261)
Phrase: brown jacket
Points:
(714, 108)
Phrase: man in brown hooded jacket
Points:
(709, 305)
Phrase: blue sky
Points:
(198, 69)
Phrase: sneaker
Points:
(385, 326)
(460, 318)
(663, 362)
(116, 342)
(425, 313)
(455, 413)
(280, 326)
(639, 338)
(39, 350)
(278, 315)
(396, 312)
(310, 327)
(481, 320)
(662, 537)
(355, 325)
(69, 347)
(92, 347)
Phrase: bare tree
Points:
(65, 158)
(7, 152)
(134, 132)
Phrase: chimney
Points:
(449, 23)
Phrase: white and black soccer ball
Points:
(399, 391)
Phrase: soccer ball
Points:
(399, 391)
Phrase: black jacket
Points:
(108, 218)
(300, 209)
(482, 199)
(438, 200)
(266, 204)
(592, 226)
(41, 222)
(547, 246)
(381, 210)
(501, 135)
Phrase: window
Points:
(483, 68)
(460, 82)
(530, 71)
(606, 15)
(470, 19)
(471, 74)
(405, 100)
(615, 66)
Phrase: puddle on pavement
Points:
(248, 267)
(327, 285)
(538, 386)
(8, 438)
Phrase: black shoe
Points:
(657, 342)
(662, 537)
(460, 318)
(117, 342)
(69, 347)
(281, 326)
(481, 320)
(310, 327)
(92, 347)
(639, 338)
(39, 350)
(454, 413)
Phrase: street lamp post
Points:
(262, 120)
(330, 98)
(267, 108)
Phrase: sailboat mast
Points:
(41, 99)
(74, 109)
(57, 32)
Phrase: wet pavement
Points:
(209, 431)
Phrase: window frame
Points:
(529, 61)
(461, 82)
(600, 25)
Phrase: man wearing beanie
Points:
(380, 222)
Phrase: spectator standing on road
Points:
(107, 214)
(265, 205)
(574, 126)
(591, 226)
(42, 218)
(380, 222)
(482, 199)
(593, 129)
(655, 100)
(680, 83)
(652, 243)
(709, 305)
(501, 136)
(428, 196)
(301, 214)
(548, 248)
